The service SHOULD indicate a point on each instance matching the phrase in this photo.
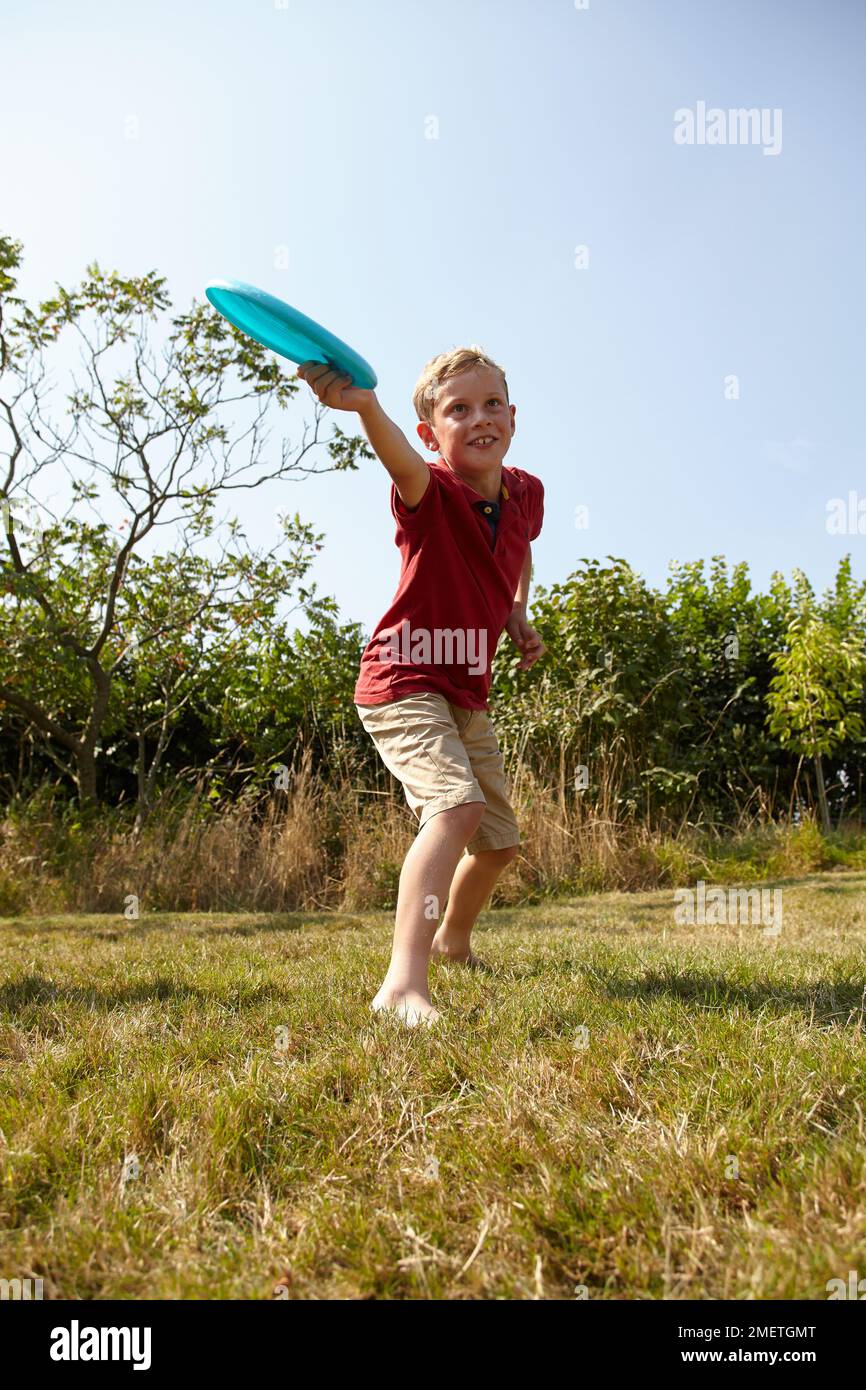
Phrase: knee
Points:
(467, 817)
(501, 856)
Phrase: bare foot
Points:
(409, 1005)
(466, 957)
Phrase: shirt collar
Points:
(506, 490)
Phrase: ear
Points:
(425, 433)
(513, 413)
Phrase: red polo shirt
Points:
(456, 590)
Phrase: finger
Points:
(336, 382)
(324, 385)
(320, 378)
(316, 370)
(310, 371)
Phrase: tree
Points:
(190, 626)
(815, 699)
(608, 693)
(725, 637)
(151, 439)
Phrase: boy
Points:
(464, 527)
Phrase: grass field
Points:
(202, 1106)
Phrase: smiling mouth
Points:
(483, 441)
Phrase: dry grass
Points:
(201, 1106)
(339, 843)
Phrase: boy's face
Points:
(471, 407)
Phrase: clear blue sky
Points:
(304, 127)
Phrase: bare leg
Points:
(424, 880)
(474, 880)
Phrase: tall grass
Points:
(336, 840)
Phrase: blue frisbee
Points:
(276, 325)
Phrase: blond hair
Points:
(440, 369)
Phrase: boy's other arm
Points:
(521, 632)
(407, 468)
(521, 598)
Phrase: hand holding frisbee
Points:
(276, 325)
(332, 388)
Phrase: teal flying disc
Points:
(276, 325)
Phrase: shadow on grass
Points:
(849, 886)
(107, 927)
(35, 989)
(827, 999)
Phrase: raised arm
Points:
(407, 468)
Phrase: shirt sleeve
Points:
(536, 517)
(427, 512)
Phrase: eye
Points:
(494, 400)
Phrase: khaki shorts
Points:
(444, 756)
